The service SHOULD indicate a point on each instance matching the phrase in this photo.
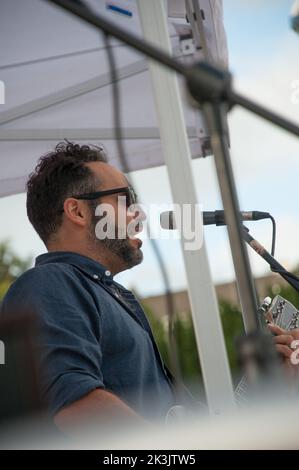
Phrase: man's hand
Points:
(284, 341)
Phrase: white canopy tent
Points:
(56, 78)
(57, 85)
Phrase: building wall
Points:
(228, 292)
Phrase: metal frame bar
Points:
(204, 307)
(142, 133)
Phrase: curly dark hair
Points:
(58, 175)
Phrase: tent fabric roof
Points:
(57, 85)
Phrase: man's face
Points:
(127, 250)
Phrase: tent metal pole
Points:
(205, 313)
(35, 134)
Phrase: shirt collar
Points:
(96, 270)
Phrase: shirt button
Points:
(108, 273)
(95, 276)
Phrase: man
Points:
(98, 358)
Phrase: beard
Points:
(128, 255)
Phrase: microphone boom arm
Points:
(275, 266)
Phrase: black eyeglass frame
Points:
(128, 190)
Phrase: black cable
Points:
(273, 235)
(285, 272)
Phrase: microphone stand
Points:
(211, 89)
(275, 266)
(255, 350)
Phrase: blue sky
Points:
(255, 28)
(263, 53)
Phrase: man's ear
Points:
(76, 211)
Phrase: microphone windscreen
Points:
(167, 221)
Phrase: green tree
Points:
(160, 333)
(232, 324)
(11, 266)
(186, 343)
(287, 292)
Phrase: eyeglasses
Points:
(131, 196)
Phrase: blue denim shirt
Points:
(93, 334)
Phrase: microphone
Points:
(263, 310)
(295, 16)
(264, 307)
(167, 218)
